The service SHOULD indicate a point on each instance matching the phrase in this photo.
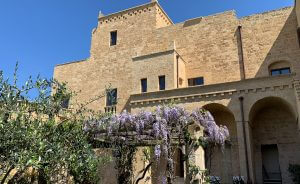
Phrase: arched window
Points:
(279, 68)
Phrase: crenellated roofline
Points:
(133, 9)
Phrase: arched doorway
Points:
(275, 141)
(223, 163)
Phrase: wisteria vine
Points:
(161, 126)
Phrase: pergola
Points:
(165, 129)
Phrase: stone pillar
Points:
(249, 141)
(242, 150)
(241, 145)
(297, 9)
(198, 156)
(296, 83)
(101, 15)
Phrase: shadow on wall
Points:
(267, 45)
(284, 50)
(272, 122)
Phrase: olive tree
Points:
(41, 140)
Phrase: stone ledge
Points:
(266, 12)
(133, 10)
(151, 55)
(72, 62)
(186, 97)
(215, 90)
(122, 12)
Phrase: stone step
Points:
(272, 182)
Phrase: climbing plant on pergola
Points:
(166, 128)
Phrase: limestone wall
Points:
(208, 46)
(297, 6)
(268, 38)
(182, 80)
(148, 44)
(151, 67)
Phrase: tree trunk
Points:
(41, 177)
(17, 177)
(187, 165)
(144, 172)
(7, 174)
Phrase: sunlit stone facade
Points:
(245, 71)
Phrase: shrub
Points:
(294, 170)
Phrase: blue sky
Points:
(42, 33)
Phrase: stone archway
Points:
(224, 163)
(274, 139)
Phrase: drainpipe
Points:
(243, 75)
(177, 58)
(245, 137)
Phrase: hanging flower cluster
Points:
(164, 121)
(213, 132)
(161, 126)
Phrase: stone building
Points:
(245, 71)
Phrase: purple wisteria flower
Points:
(156, 129)
(161, 125)
(163, 179)
(160, 122)
(214, 133)
(157, 151)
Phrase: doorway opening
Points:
(270, 164)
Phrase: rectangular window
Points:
(144, 85)
(196, 81)
(65, 103)
(162, 82)
(111, 97)
(113, 38)
(280, 71)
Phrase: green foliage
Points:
(124, 162)
(41, 137)
(147, 154)
(294, 170)
(194, 171)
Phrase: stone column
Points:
(249, 141)
(198, 156)
(241, 146)
(296, 83)
(242, 150)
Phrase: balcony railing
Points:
(111, 109)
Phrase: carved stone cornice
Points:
(224, 90)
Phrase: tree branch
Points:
(144, 172)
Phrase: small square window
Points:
(196, 81)
(65, 103)
(113, 38)
(111, 97)
(144, 85)
(162, 82)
